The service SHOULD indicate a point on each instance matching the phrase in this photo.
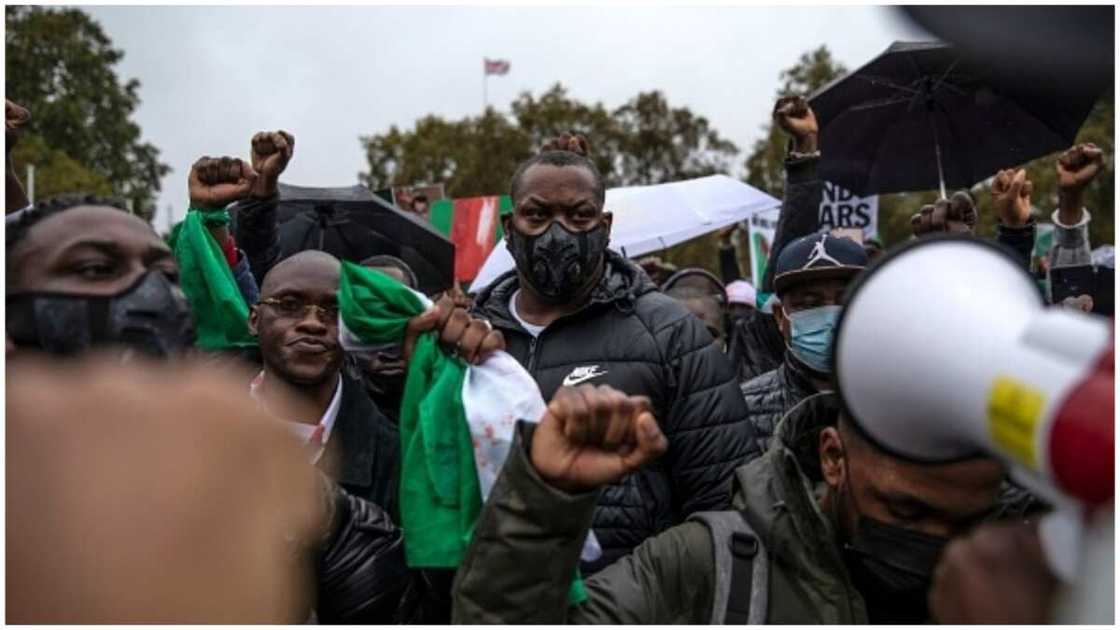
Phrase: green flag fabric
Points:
(444, 399)
(220, 313)
(439, 493)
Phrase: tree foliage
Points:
(60, 66)
(644, 141)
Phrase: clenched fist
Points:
(590, 436)
(1011, 197)
(956, 214)
(218, 182)
(795, 117)
(272, 150)
(1078, 166)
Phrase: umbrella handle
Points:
(937, 153)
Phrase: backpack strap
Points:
(741, 569)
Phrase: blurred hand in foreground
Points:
(150, 493)
(995, 575)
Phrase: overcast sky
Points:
(212, 76)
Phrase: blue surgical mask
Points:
(811, 333)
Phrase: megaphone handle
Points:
(1060, 534)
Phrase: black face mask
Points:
(557, 262)
(892, 567)
(151, 317)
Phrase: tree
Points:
(554, 113)
(60, 66)
(658, 143)
(471, 157)
(645, 141)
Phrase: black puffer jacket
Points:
(770, 396)
(641, 342)
(362, 573)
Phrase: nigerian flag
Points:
(221, 317)
(456, 421)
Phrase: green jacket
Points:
(527, 542)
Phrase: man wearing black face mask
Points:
(825, 528)
(84, 273)
(575, 312)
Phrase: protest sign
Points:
(840, 208)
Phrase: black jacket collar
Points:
(622, 283)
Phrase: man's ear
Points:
(831, 450)
(507, 221)
(254, 318)
(781, 319)
(608, 220)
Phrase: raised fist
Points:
(795, 117)
(218, 182)
(1011, 197)
(574, 142)
(1078, 166)
(272, 150)
(590, 436)
(15, 117)
(956, 214)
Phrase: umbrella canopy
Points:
(652, 218)
(917, 117)
(351, 223)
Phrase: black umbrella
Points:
(918, 116)
(353, 224)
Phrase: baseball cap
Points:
(817, 256)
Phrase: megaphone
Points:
(946, 350)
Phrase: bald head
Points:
(300, 344)
(310, 269)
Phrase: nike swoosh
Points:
(569, 381)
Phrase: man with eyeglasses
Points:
(810, 277)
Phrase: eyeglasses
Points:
(293, 307)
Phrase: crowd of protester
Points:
(692, 429)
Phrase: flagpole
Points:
(485, 100)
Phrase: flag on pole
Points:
(474, 225)
(495, 66)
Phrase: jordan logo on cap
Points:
(819, 253)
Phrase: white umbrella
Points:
(652, 218)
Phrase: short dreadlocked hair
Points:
(558, 158)
(17, 228)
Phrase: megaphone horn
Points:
(946, 350)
